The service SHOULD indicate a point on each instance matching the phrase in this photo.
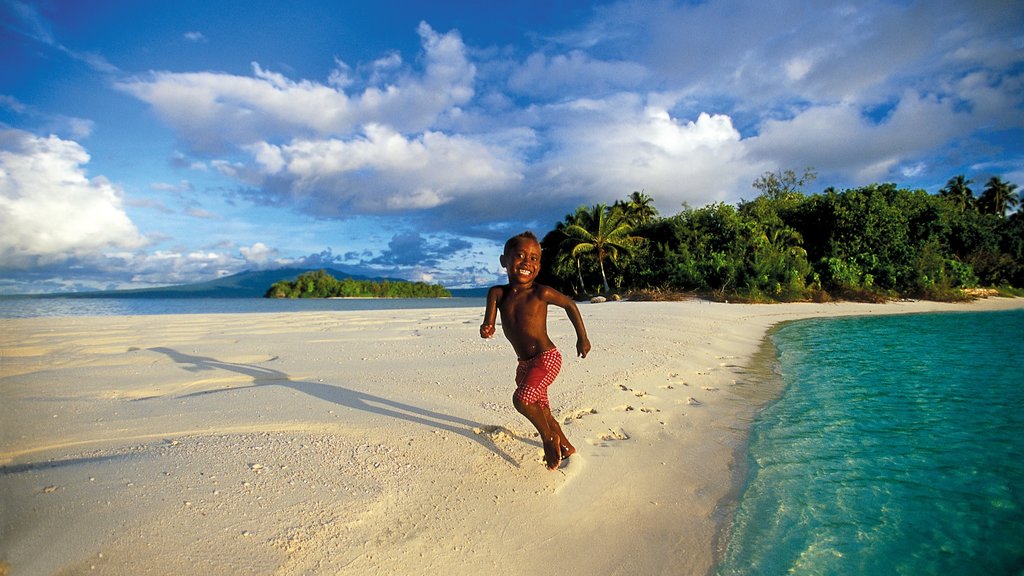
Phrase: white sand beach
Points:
(376, 442)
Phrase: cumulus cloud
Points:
(840, 138)
(624, 143)
(382, 170)
(50, 210)
(215, 111)
(259, 254)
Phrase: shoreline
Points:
(378, 441)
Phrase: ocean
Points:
(896, 447)
(20, 307)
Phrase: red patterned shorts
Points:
(533, 377)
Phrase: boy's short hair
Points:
(527, 235)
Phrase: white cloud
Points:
(259, 254)
(839, 138)
(383, 171)
(196, 37)
(215, 111)
(49, 210)
(615, 146)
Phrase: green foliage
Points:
(874, 242)
(319, 284)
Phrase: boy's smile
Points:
(524, 273)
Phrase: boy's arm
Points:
(490, 312)
(555, 297)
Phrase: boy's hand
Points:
(486, 330)
(582, 347)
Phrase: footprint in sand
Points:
(495, 433)
(693, 401)
(578, 414)
(614, 434)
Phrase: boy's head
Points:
(521, 258)
(514, 241)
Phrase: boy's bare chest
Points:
(520, 307)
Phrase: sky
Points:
(169, 142)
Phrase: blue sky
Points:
(159, 142)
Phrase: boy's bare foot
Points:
(552, 454)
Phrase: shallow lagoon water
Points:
(897, 447)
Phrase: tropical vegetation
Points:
(875, 242)
(320, 284)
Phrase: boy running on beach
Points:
(524, 311)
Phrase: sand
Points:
(377, 442)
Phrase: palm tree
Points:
(638, 208)
(603, 233)
(958, 190)
(998, 197)
(561, 245)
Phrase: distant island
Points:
(320, 284)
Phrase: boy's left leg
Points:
(541, 419)
(564, 446)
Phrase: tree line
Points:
(870, 243)
(320, 284)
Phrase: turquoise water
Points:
(897, 447)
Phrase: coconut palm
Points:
(603, 234)
(998, 197)
(558, 244)
(638, 208)
(958, 190)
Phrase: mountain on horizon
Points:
(247, 284)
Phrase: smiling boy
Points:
(523, 305)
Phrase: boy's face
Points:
(522, 261)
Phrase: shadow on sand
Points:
(48, 464)
(338, 395)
